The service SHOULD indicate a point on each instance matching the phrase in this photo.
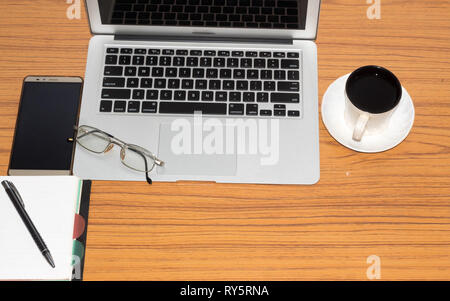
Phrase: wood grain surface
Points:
(395, 204)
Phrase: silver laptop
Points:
(220, 90)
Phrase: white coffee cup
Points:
(372, 94)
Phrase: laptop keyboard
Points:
(213, 82)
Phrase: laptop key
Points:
(246, 63)
(285, 97)
(198, 73)
(265, 113)
(279, 113)
(209, 52)
(154, 51)
(214, 85)
(228, 85)
(168, 52)
(166, 95)
(235, 96)
(114, 82)
(165, 60)
(157, 71)
(241, 85)
(190, 108)
(187, 84)
(184, 72)
(112, 50)
(252, 74)
(193, 95)
(180, 95)
(238, 73)
(126, 50)
(273, 63)
(132, 82)
(248, 97)
(288, 86)
(111, 60)
(138, 60)
(105, 106)
(124, 60)
(140, 51)
(293, 75)
(232, 62)
(262, 97)
(205, 62)
(119, 106)
(269, 86)
(113, 71)
(221, 96)
(219, 62)
(207, 96)
(201, 84)
(236, 109)
(146, 82)
(178, 61)
(255, 85)
(134, 106)
(130, 71)
(160, 83)
(173, 83)
(171, 72)
(151, 60)
(279, 74)
(138, 94)
(260, 63)
(144, 71)
(266, 74)
(252, 109)
(181, 52)
(293, 113)
(152, 94)
(116, 93)
(149, 106)
(290, 64)
(192, 62)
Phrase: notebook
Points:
(52, 202)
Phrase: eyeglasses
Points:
(132, 156)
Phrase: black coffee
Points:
(373, 89)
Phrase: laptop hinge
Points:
(202, 39)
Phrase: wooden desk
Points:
(393, 204)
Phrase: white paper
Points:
(50, 202)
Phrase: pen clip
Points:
(16, 192)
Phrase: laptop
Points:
(220, 90)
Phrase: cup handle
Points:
(360, 126)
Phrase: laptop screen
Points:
(260, 14)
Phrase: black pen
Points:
(20, 207)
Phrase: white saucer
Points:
(333, 106)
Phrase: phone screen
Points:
(47, 114)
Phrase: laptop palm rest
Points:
(188, 150)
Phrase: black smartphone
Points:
(48, 111)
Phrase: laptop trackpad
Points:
(188, 150)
